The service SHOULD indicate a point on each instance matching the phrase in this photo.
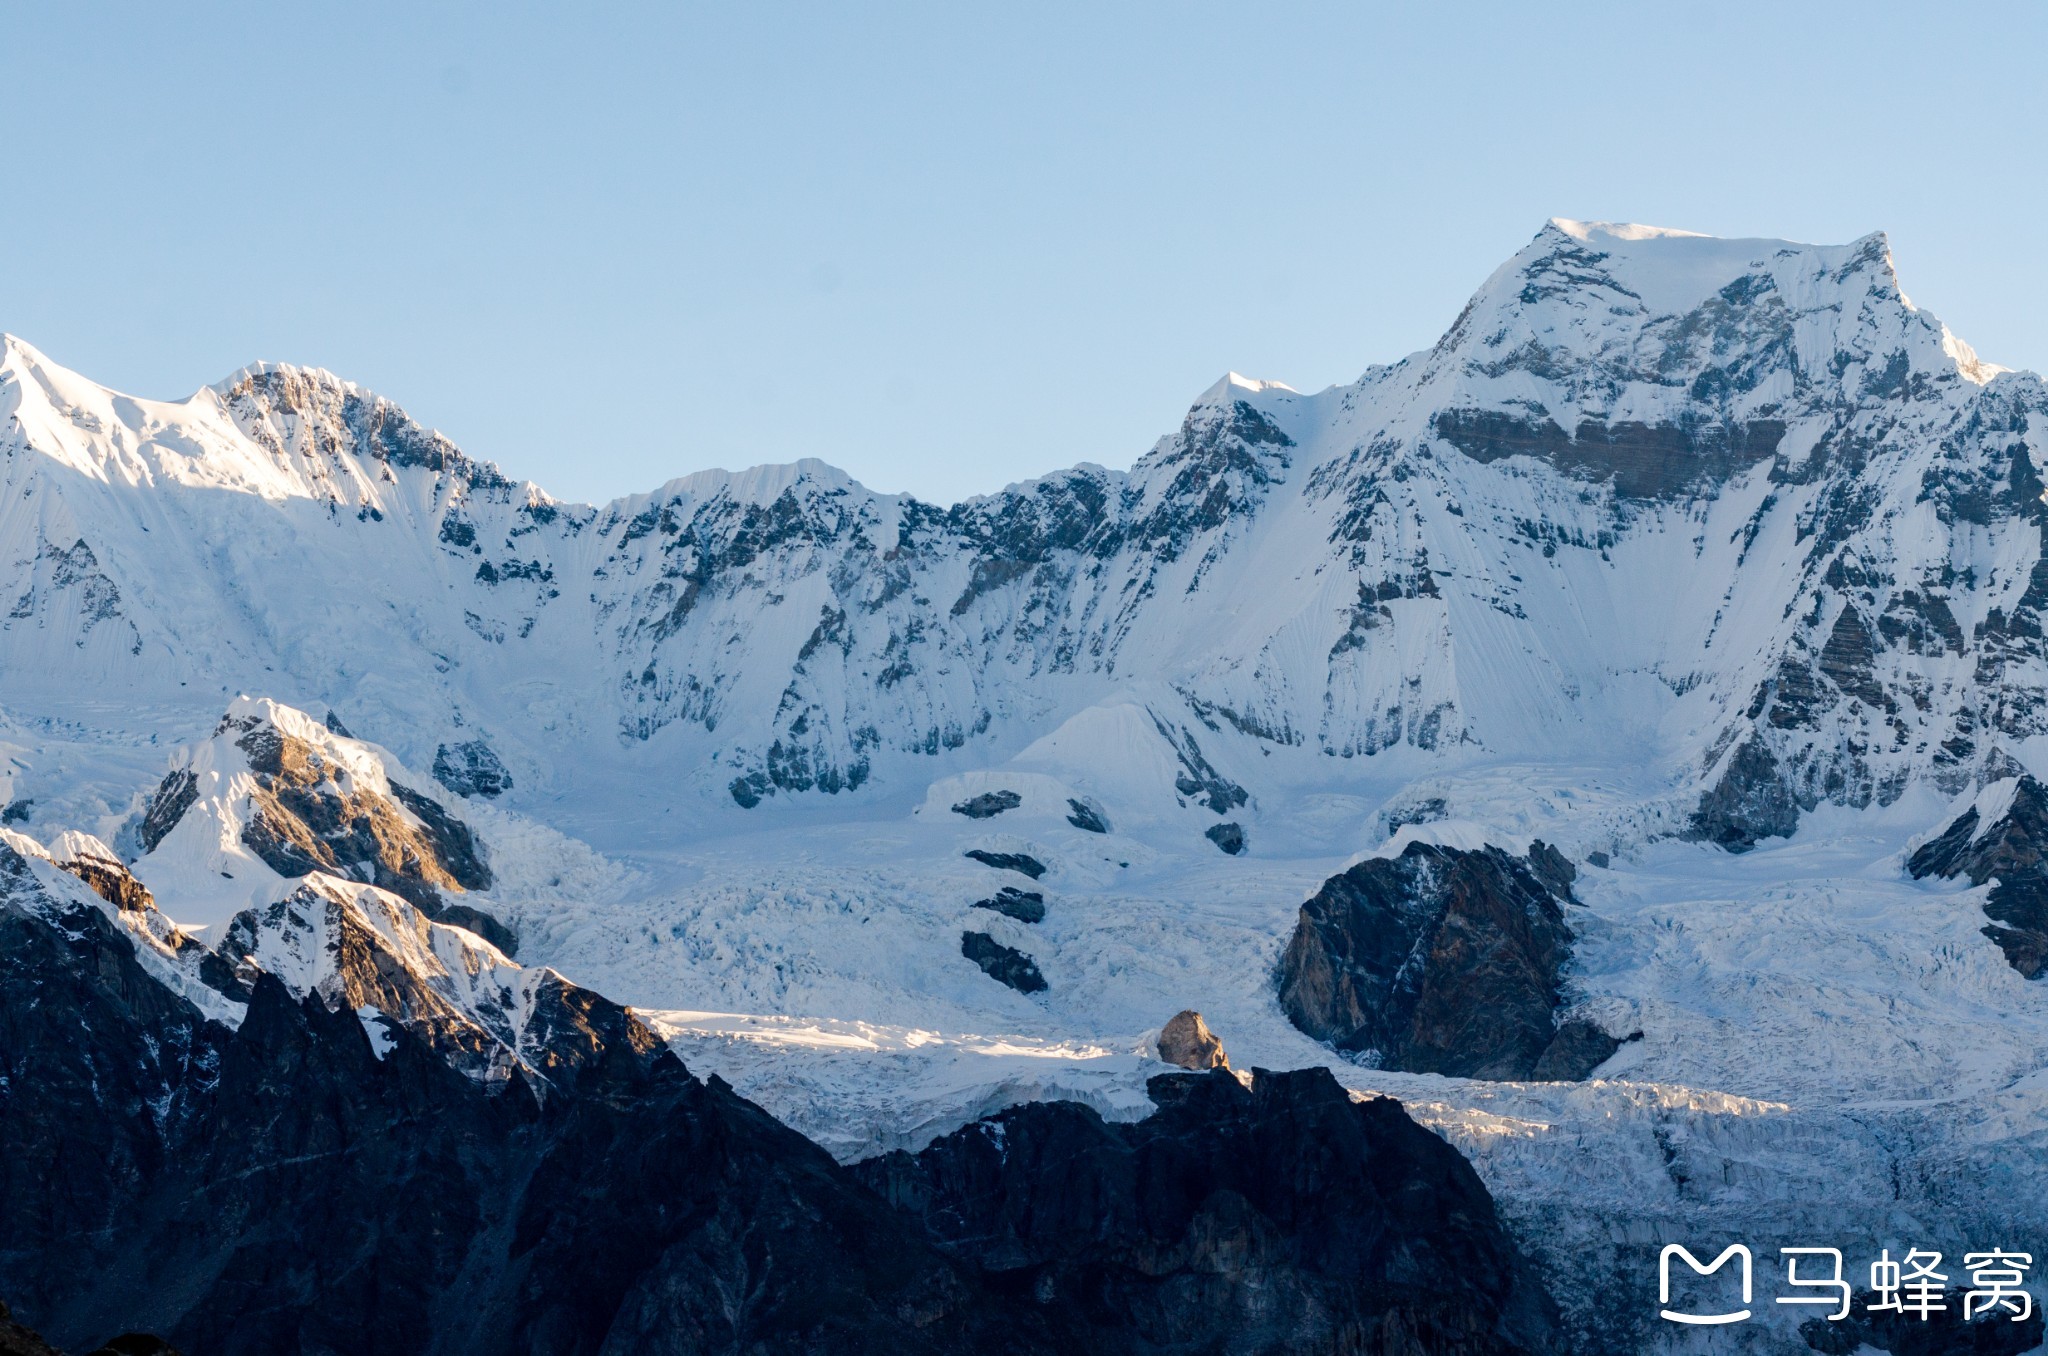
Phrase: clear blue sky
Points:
(943, 246)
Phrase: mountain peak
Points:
(1606, 321)
(299, 412)
(1671, 272)
(1235, 385)
(252, 373)
(1593, 232)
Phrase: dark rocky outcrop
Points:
(1644, 461)
(15, 1340)
(988, 804)
(1442, 961)
(1186, 1040)
(1284, 1218)
(177, 794)
(303, 820)
(484, 925)
(95, 1057)
(1553, 868)
(1004, 964)
(1579, 1047)
(1197, 778)
(561, 1029)
(2013, 852)
(1749, 803)
(1087, 817)
(1849, 657)
(111, 881)
(1008, 861)
(471, 768)
(1228, 837)
(2014, 846)
(1026, 906)
(115, 884)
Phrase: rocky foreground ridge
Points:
(317, 1174)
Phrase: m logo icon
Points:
(1664, 1281)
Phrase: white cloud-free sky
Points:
(943, 246)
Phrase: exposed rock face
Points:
(1228, 837)
(2011, 847)
(1644, 461)
(1186, 1040)
(1442, 961)
(471, 768)
(1008, 861)
(988, 804)
(1026, 906)
(1004, 964)
(315, 415)
(1281, 1219)
(372, 953)
(1553, 868)
(110, 880)
(308, 821)
(1086, 817)
(1197, 778)
(94, 1054)
(309, 811)
(2009, 850)
(1749, 803)
(15, 1340)
(173, 798)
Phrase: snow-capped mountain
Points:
(1737, 505)
(368, 949)
(1715, 565)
